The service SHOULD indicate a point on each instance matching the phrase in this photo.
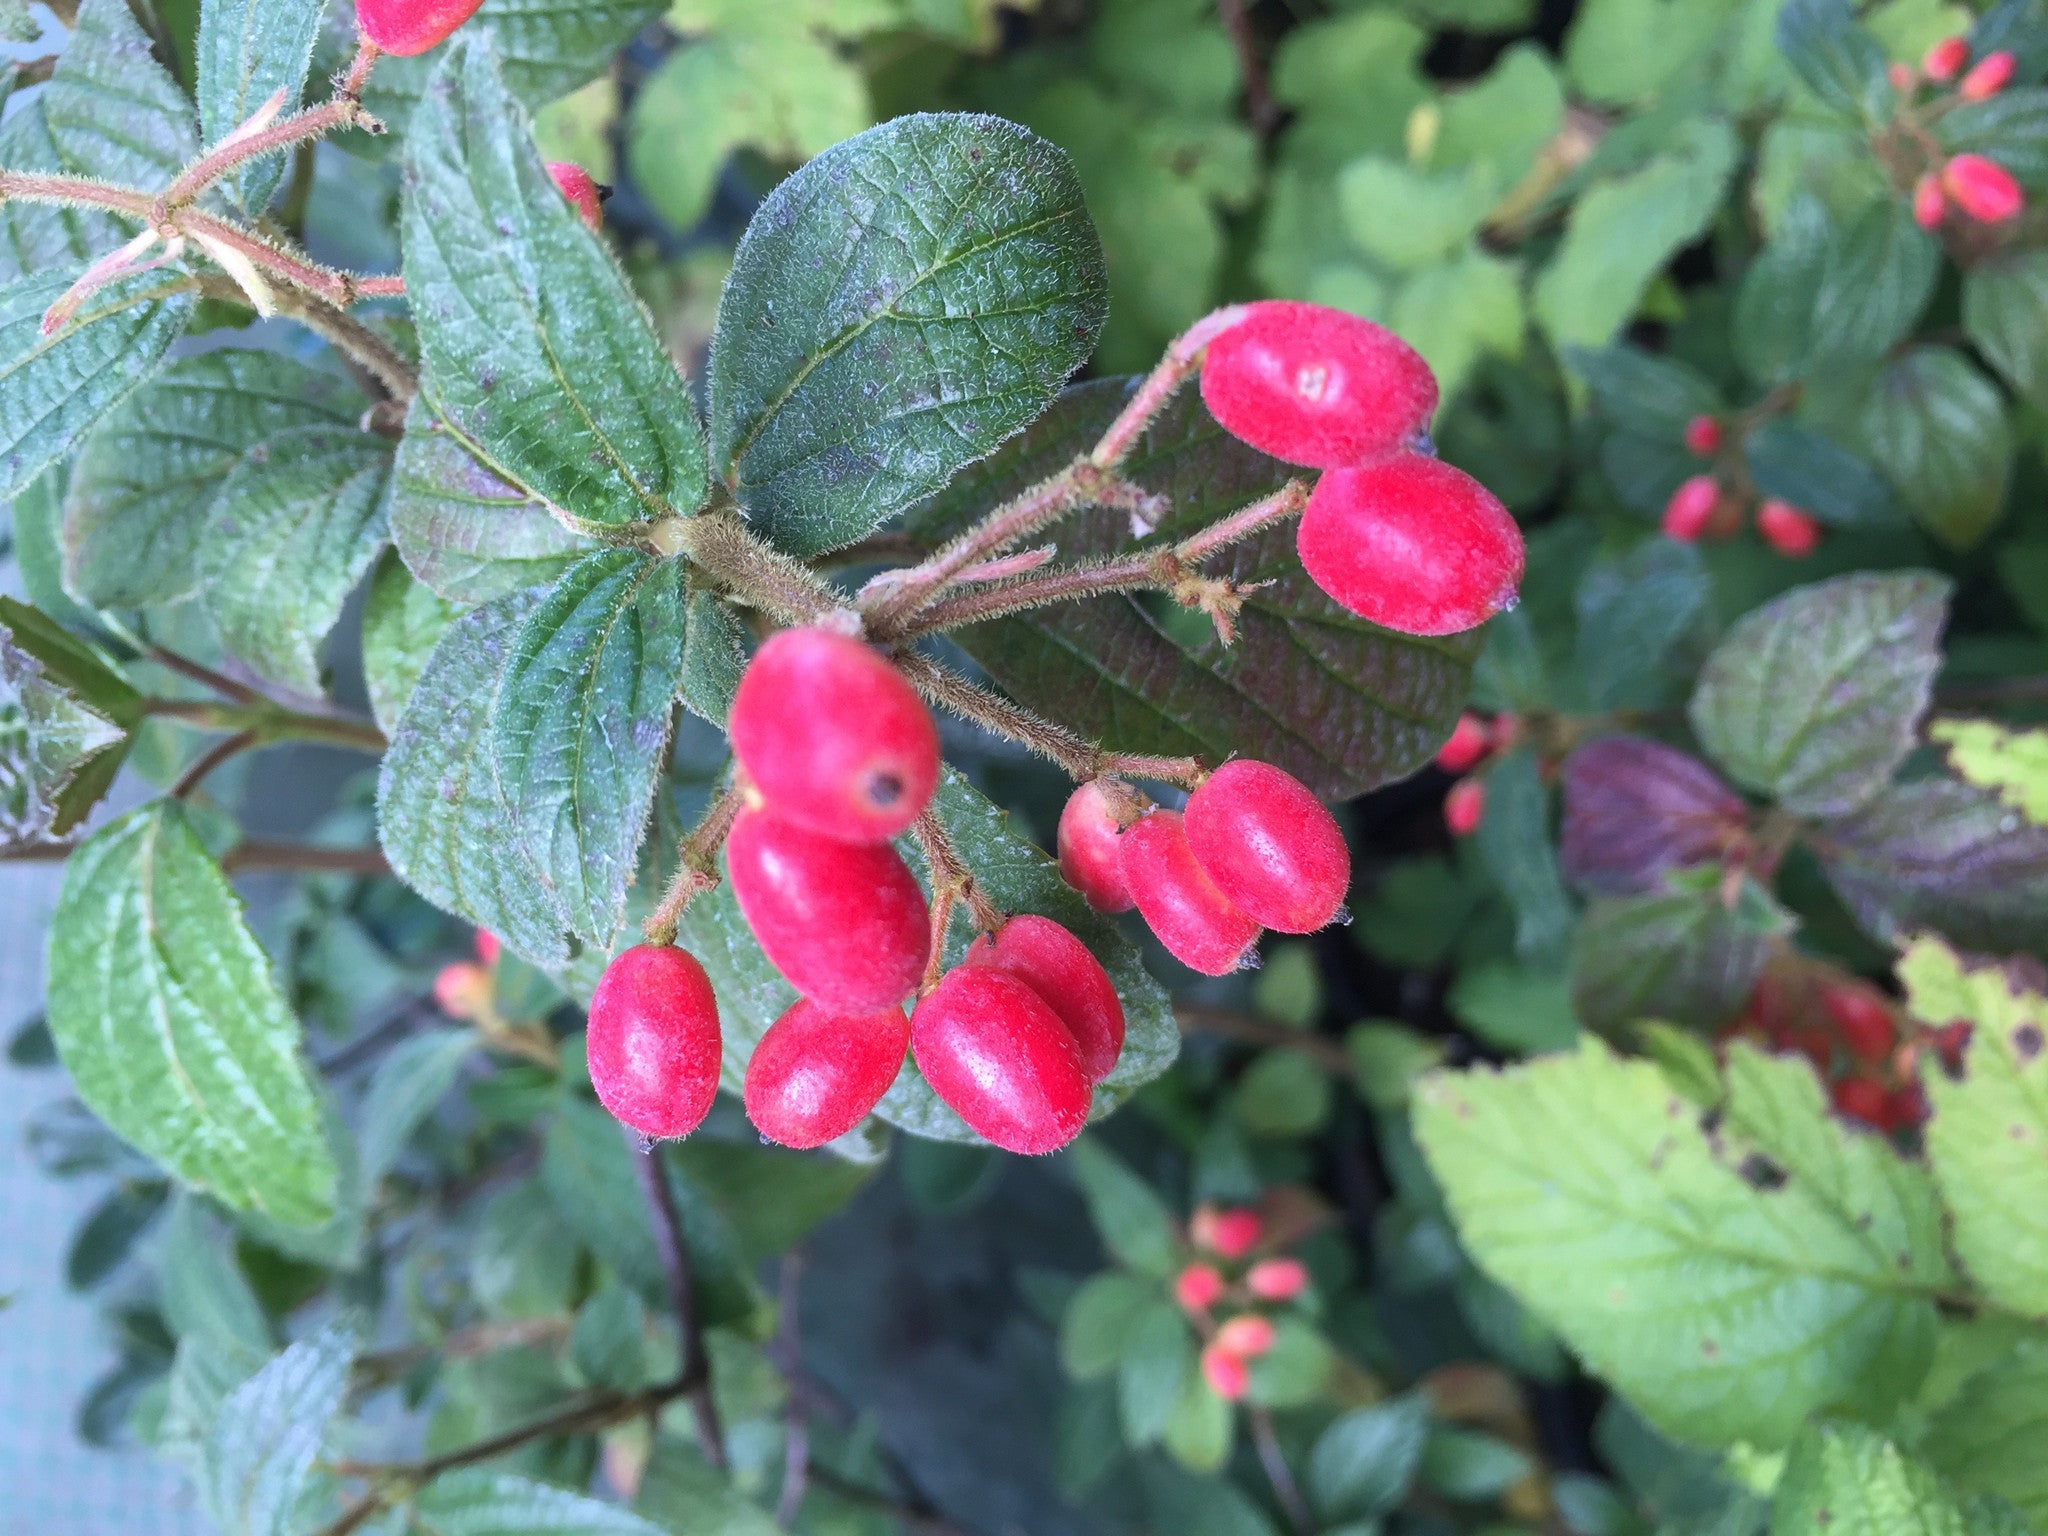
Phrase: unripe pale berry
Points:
(1065, 974)
(815, 1075)
(1412, 544)
(1946, 58)
(1787, 529)
(1930, 203)
(1465, 807)
(1983, 189)
(1198, 1287)
(462, 990)
(653, 1043)
(1277, 1279)
(845, 922)
(833, 736)
(487, 947)
(1902, 76)
(1691, 508)
(1987, 77)
(1230, 1233)
(1246, 1337)
(1863, 1021)
(407, 27)
(577, 186)
(994, 1051)
(1227, 1374)
(1861, 1099)
(1316, 386)
(1200, 926)
(1468, 744)
(1271, 846)
(1703, 436)
(1090, 860)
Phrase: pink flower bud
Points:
(1691, 508)
(1246, 1337)
(1983, 189)
(1930, 203)
(1198, 1287)
(1987, 77)
(461, 990)
(1945, 58)
(1277, 1279)
(1468, 743)
(1703, 436)
(1228, 1376)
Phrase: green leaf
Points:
(1677, 954)
(1877, 276)
(48, 739)
(1282, 1095)
(52, 388)
(896, 309)
(1157, 1360)
(441, 816)
(143, 487)
(1514, 1008)
(609, 1341)
(1198, 1435)
(292, 529)
(534, 347)
(1797, 464)
(581, 723)
(1728, 1284)
(104, 1240)
(690, 1497)
(2012, 763)
(1633, 613)
(1989, 1437)
(166, 1014)
(1815, 697)
(402, 623)
(1847, 1480)
(1937, 428)
(202, 1290)
(259, 1456)
(250, 50)
(1296, 1370)
(1988, 1125)
(1096, 1327)
(462, 530)
(1404, 216)
(1470, 1465)
(1645, 392)
(1362, 1464)
(1459, 311)
(1128, 1214)
(408, 1083)
(1515, 843)
(1840, 62)
(1341, 704)
(475, 1502)
(2011, 128)
(1776, 303)
(2005, 312)
(714, 656)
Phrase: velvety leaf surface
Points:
(1840, 62)
(535, 348)
(1989, 1438)
(1879, 272)
(1635, 809)
(581, 722)
(896, 309)
(403, 1091)
(1677, 954)
(1343, 705)
(1645, 392)
(1937, 428)
(259, 1457)
(714, 656)
(1815, 697)
(163, 1007)
(248, 51)
(479, 1502)
(1633, 613)
(403, 620)
(48, 736)
(2005, 311)
(1817, 475)
(1729, 1285)
(143, 486)
(1847, 1480)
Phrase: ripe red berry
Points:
(1090, 859)
(1227, 1374)
(1691, 508)
(1465, 807)
(1930, 203)
(1860, 1098)
(1703, 436)
(1469, 742)
(1229, 1233)
(1987, 77)
(815, 1075)
(833, 737)
(1316, 386)
(487, 947)
(1862, 1019)
(1066, 975)
(462, 990)
(1950, 1041)
(1273, 849)
(653, 1043)
(1945, 58)
(1277, 1279)
(407, 27)
(993, 1050)
(577, 186)
(1200, 926)
(1198, 1287)
(845, 922)
(1983, 189)
(1412, 544)
(1786, 529)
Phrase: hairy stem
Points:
(950, 872)
(75, 191)
(271, 723)
(698, 866)
(753, 571)
(313, 123)
(1183, 357)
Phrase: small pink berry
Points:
(1691, 508)
(997, 1055)
(815, 1075)
(1090, 860)
(1277, 1279)
(462, 990)
(1467, 746)
(1983, 189)
(1930, 203)
(1703, 436)
(1064, 972)
(1273, 849)
(1987, 77)
(577, 186)
(1231, 1233)
(1786, 529)
(1198, 1287)
(1246, 1337)
(1227, 1374)
(487, 948)
(1465, 806)
(1946, 58)
(1902, 77)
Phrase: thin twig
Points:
(796, 1425)
(673, 1248)
(1258, 95)
(79, 191)
(950, 872)
(272, 722)
(1278, 1473)
(304, 858)
(1182, 358)
(219, 682)
(210, 759)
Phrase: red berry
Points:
(1469, 742)
(1859, 1098)
(815, 1075)
(1691, 508)
(653, 1043)
(1227, 1374)
(1703, 436)
(1862, 1019)
(1273, 849)
(1198, 1287)
(1983, 189)
(1090, 859)
(1316, 386)
(994, 1051)
(462, 990)
(1232, 1233)
(1787, 529)
(1945, 58)
(577, 186)
(1277, 1279)
(1066, 975)
(487, 947)
(1906, 1108)
(1987, 77)
(1950, 1041)
(845, 922)
(1465, 807)
(1246, 1337)
(406, 27)
(1200, 926)
(833, 737)
(1412, 544)
(1930, 203)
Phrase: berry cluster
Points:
(1982, 190)
(1702, 508)
(1220, 1277)
(1472, 741)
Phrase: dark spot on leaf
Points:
(487, 379)
(1710, 1349)
(1759, 1172)
(2027, 1042)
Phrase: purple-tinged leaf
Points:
(1679, 954)
(1634, 809)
